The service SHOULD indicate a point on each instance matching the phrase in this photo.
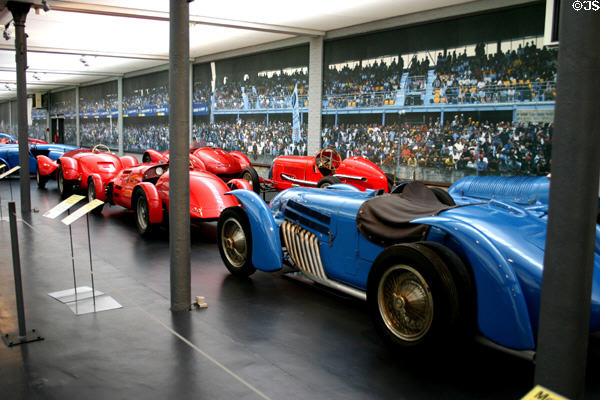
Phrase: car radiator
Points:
(303, 248)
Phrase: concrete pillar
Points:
(179, 189)
(315, 91)
(120, 113)
(191, 107)
(571, 234)
(19, 12)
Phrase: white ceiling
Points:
(115, 45)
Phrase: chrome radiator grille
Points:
(303, 247)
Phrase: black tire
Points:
(328, 180)
(234, 239)
(249, 174)
(91, 195)
(429, 314)
(443, 196)
(65, 187)
(465, 287)
(142, 215)
(40, 179)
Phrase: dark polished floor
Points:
(265, 337)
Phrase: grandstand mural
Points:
(98, 115)
(5, 126)
(39, 124)
(472, 95)
(258, 103)
(63, 106)
(145, 111)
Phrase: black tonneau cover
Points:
(384, 220)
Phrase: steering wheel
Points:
(328, 158)
(100, 148)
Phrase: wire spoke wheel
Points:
(405, 302)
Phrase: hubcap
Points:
(405, 302)
(247, 177)
(142, 213)
(234, 242)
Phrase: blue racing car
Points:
(432, 267)
(9, 154)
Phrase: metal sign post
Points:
(23, 336)
(81, 300)
(2, 176)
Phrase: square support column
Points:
(315, 92)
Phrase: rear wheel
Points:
(249, 174)
(40, 179)
(234, 239)
(412, 297)
(91, 196)
(328, 180)
(65, 188)
(142, 216)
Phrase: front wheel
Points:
(91, 196)
(234, 239)
(40, 179)
(249, 174)
(412, 297)
(142, 216)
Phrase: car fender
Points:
(98, 187)
(501, 306)
(242, 159)
(156, 156)
(70, 168)
(154, 203)
(197, 163)
(239, 184)
(362, 173)
(266, 246)
(129, 161)
(5, 162)
(46, 165)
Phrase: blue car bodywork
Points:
(498, 230)
(9, 154)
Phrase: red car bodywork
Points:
(81, 166)
(288, 171)
(207, 191)
(221, 163)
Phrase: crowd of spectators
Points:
(140, 134)
(459, 144)
(525, 74)
(257, 139)
(98, 131)
(88, 106)
(260, 92)
(147, 98)
(362, 86)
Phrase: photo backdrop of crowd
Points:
(473, 94)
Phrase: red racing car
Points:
(86, 169)
(326, 168)
(225, 165)
(144, 188)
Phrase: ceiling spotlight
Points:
(45, 6)
(7, 87)
(36, 77)
(84, 61)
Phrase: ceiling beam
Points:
(82, 52)
(113, 11)
(63, 72)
